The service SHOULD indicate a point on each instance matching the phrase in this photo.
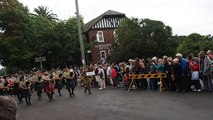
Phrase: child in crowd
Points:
(195, 75)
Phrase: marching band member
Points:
(11, 85)
(70, 83)
(17, 91)
(25, 89)
(1, 86)
(48, 86)
(87, 81)
(4, 86)
(58, 80)
(39, 87)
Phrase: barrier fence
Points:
(145, 76)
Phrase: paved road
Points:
(118, 104)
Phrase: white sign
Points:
(40, 59)
(90, 73)
(103, 46)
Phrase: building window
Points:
(103, 55)
(100, 36)
(115, 34)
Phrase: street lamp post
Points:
(80, 35)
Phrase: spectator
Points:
(8, 108)
(153, 70)
(195, 75)
(204, 69)
(137, 70)
(210, 54)
(170, 72)
(102, 77)
(184, 83)
(177, 74)
(114, 76)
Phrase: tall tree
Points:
(16, 33)
(44, 12)
(194, 43)
(143, 38)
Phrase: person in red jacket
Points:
(114, 76)
(195, 75)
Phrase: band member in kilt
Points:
(70, 82)
(87, 81)
(57, 77)
(25, 89)
(3, 88)
(39, 87)
(48, 86)
(17, 89)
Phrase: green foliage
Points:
(195, 43)
(23, 33)
(15, 24)
(143, 38)
(44, 12)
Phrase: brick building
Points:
(101, 33)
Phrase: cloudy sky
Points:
(184, 16)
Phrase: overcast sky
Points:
(184, 16)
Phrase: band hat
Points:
(45, 73)
(175, 60)
(154, 58)
(179, 55)
(71, 70)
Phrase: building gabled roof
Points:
(89, 25)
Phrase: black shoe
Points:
(90, 93)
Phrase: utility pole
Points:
(80, 36)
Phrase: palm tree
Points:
(43, 11)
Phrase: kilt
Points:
(2, 91)
(25, 93)
(48, 88)
(38, 86)
(16, 89)
(70, 83)
(58, 84)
